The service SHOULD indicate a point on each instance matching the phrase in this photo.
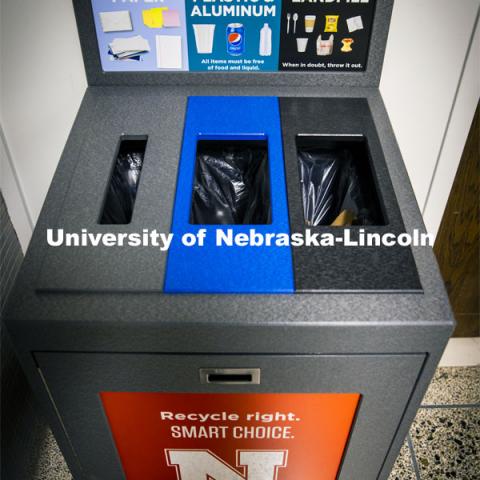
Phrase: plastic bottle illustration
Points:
(265, 49)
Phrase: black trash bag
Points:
(358, 201)
(330, 185)
(231, 185)
(122, 191)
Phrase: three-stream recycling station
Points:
(270, 358)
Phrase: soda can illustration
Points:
(235, 39)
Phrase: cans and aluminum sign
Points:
(233, 35)
(188, 436)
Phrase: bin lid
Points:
(226, 42)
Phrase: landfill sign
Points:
(191, 436)
(233, 35)
(325, 35)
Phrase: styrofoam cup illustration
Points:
(310, 23)
(302, 44)
(204, 34)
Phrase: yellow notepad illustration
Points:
(153, 18)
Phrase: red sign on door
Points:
(190, 436)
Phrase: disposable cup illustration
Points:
(310, 23)
(302, 44)
(204, 34)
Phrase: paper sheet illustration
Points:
(122, 48)
(169, 51)
(153, 18)
(171, 19)
(354, 24)
(116, 21)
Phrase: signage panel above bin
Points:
(233, 36)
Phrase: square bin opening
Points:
(122, 188)
(232, 183)
(337, 181)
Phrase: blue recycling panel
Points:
(236, 269)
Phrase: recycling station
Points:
(174, 314)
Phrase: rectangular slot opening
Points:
(123, 185)
(229, 378)
(231, 184)
(337, 181)
(230, 375)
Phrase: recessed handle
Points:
(230, 376)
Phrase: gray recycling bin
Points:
(155, 352)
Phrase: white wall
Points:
(10, 188)
(454, 138)
(425, 55)
(42, 82)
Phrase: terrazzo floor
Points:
(444, 440)
(443, 443)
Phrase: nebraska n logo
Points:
(205, 465)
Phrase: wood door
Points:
(457, 244)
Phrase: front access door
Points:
(267, 417)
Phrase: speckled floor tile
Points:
(403, 468)
(454, 386)
(51, 465)
(447, 443)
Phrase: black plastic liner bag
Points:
(331, 185)
(122, 191)
(231, 186)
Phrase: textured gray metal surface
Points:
(370, 77)
(31, 310)
(327, 323)
(385, 382)
(124, 112)
(161, 118)
(339, 268)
